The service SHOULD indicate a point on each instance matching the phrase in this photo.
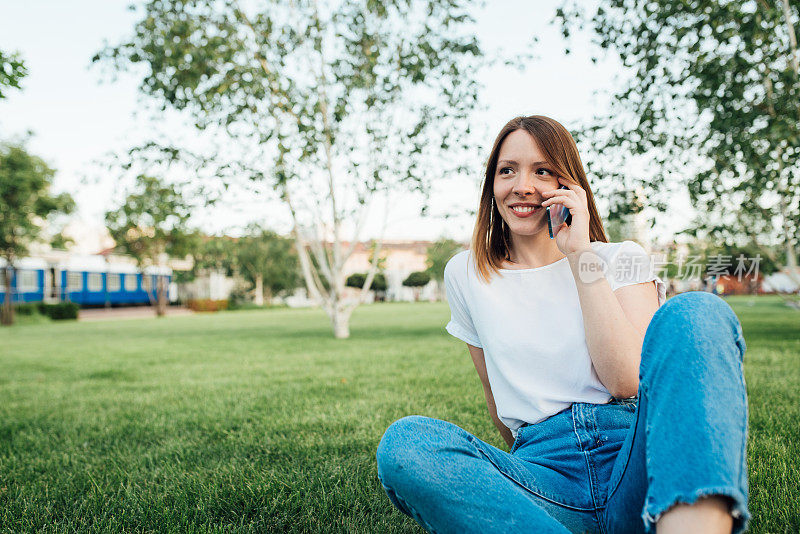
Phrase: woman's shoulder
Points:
(457, 265)
(611, 250)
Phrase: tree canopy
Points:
(26, 205)
(438, 254)
(713, 102)
(268, 261)
(12, 70)
(151, 225)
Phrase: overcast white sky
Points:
(76, 119)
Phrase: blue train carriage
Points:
(27, 280)
(85, 280)
(92, 281)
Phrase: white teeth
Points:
(523, 209)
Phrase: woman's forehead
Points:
(520, 147)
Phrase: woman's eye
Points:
(503, 169)
(548, 171)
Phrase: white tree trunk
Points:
(258, 298)
(340, 320)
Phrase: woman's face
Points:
(520, 178)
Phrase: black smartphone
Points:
(557, 215)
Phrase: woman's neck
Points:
(533, 251)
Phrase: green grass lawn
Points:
(261, 421)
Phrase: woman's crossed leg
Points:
(450, 481)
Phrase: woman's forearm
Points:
(614, 344)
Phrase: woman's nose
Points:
(525, 185)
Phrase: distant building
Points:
(208, 284)
(402, 258)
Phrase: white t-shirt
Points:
(530, 326)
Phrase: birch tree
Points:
(332, 107)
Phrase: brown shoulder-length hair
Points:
(491, 238)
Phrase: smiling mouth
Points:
(526, 211)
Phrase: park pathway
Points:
(132, 312)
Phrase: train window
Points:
(113, 282)
(147, 282)
(28, 281)
(130, 282)
(94, 282)
(74, 281)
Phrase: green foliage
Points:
(60, 241)
(213, 252)
(26, 308)
(25, 203)
(357, 280)
(266, 254)
(182, 277)
(714, 96)
(380, 264)
(439, 253)
(153, 221)
(60, 310)
(417, 279)
(25, 199)
(12, 70)
(236, 68)
(238, 299)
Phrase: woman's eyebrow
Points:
(515, 163)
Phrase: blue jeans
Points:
(605, 468)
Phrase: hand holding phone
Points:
(557, 215)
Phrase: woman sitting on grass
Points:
(622, 413)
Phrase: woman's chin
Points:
(528, 229)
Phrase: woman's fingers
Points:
(573, 186)
(567, 198)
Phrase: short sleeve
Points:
(631, 264)
(460, 325)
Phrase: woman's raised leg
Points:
(690, 435)
(450, 481)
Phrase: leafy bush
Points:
(207, 305)
(60, 311)
(26, 308)
(242, 305)
(357, 280)
(417, 279)
(238, 298)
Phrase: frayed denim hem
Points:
(741, 516)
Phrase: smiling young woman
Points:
(622, 411)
